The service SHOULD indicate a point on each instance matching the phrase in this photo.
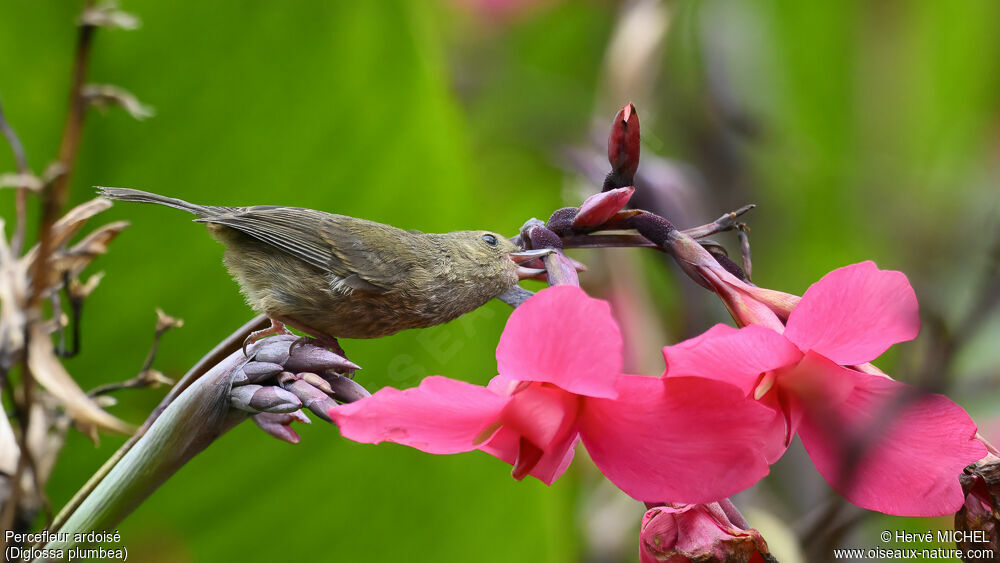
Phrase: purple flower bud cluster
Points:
(281, 378)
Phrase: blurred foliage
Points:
(862, 130)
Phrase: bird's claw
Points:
(277, 327)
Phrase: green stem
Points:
(195, 419)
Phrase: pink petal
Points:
(814, 382)
(505, 444)
(734, 356)
(600, 207)
(505, 385)
(682, 439)
(854, 314)
(441, 416)
(817, 381)
(541, 413)
(889, 448)
(742, 306)
(562, 336)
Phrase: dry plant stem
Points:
(22, 409)
(604, 239)
(141, 379)
(724, 223)
(946, 342)
(53, 199)
(25, 460)
(216, 355)
(987, 300)
(21, 201)
(54, 195)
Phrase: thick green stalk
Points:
(187, 426)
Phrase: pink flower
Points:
(559, 360)
(880, 443)
(747, 303)
(699, 532)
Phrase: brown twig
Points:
(25, 460)
(147, 376)
(54, 194)
(606, 239)
(21, 408)
(944, 341)
(21, 198)
(724, 223)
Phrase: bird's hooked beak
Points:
(529, 255)
(526, 256)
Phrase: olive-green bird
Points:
(337, 276)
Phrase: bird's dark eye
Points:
(490, 240)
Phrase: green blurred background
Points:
(862, 130)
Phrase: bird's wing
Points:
(333, 243)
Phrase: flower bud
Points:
(977, 523)
(345, 389)
(257, 399)
(699, 532)
(316, 359)
(279, 424)
(600, 207)
(255, 372)
(561, 221)
(560, 270)
(623, 149)
(541, 237)
(312, 398)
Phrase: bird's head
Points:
(490, 255)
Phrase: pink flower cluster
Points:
(726, 407)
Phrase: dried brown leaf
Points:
(13, 293)
(21, 180)
(46, 435)
(51, 374)
(103, 96)
(9, 451)
(83, 290)
(155, 378)
(74, 259)
(108, 15)
(166, 322)
(70, 223)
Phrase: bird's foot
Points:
(277, 327)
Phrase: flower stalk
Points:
(204, 405)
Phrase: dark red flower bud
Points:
(600, 207)
(561, 221)
(541, 237)
(655, 228)
(623, 149)
(709, 533)
(977, 525)
(730, 266)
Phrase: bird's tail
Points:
(128, 194)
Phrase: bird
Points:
(334, 276)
